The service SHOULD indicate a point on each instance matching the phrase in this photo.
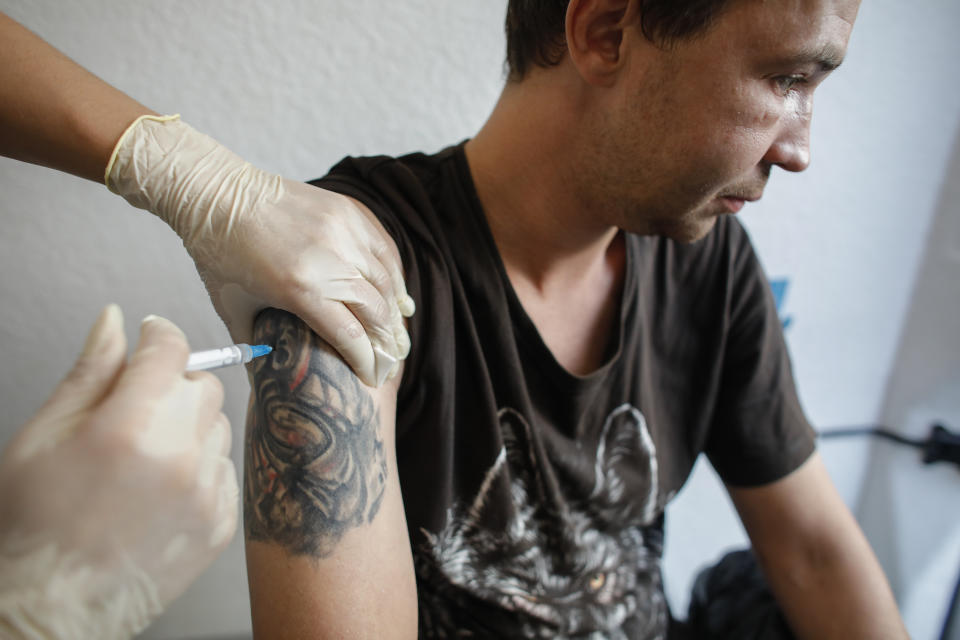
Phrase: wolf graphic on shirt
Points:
(568, 561)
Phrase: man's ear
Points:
(595, 36)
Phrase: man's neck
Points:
(565, 263)
(523, 165)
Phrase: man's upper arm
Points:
(327, 547)
(818, 562)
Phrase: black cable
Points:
(942, 445)
(880, 432)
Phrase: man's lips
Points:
(734, 203)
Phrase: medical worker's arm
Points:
(118, 493)
(54, 112)
(818, 562)
(258, 239)
(328, 554)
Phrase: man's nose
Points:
(791, 148)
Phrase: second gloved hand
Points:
(118, 493)
(260, 240)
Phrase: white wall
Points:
(915, 512)
(293, 85)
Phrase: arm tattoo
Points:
(315, 465)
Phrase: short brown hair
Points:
(536, 28)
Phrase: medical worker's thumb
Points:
(92, 377)
(96, 369)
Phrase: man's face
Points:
(691, 132)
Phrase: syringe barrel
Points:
(216, 358)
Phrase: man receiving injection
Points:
(120, 491)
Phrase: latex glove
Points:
(260, 241)
(118, 493)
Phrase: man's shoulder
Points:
(411, 195)
(383, 169)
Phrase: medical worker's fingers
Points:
(226, 511)
(161, 351)
(215, 447)
(97, 366)
(90, 379)
(345, 333)
(210, 395)
(395, 333)
(386, 253)
(387, 264)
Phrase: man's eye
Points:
(786, 83)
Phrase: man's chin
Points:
(687, 231)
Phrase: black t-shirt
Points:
(534, 497)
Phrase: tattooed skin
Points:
(315, 465)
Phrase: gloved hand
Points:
(260, 241)
(118, 493)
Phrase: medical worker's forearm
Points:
(258, 239)
(53, 112)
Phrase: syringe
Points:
(225, 357)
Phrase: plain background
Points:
(868, 238)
